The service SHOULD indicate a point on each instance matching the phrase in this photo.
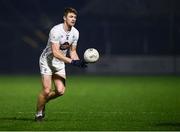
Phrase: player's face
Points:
(70, 19)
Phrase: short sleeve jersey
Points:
(59, 36)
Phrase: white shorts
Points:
(47, 68)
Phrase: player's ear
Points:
(64, 18)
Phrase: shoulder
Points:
(75, 31)
(56, 28)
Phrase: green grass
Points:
(94, 103)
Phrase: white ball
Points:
(91, 55)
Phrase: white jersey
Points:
(59, 36)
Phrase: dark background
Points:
(114, 27)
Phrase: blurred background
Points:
(132, 36)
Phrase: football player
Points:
(62, 37)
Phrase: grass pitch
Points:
(93, 103)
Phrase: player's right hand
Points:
(79, 63)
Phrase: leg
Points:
(46, 88)
(59, 83)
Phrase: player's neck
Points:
(66, 27)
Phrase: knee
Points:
(46, 91)
(60, 92)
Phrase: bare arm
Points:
(73, 53)
(58, 54)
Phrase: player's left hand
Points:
(79, 63)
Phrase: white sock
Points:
(39, 113)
